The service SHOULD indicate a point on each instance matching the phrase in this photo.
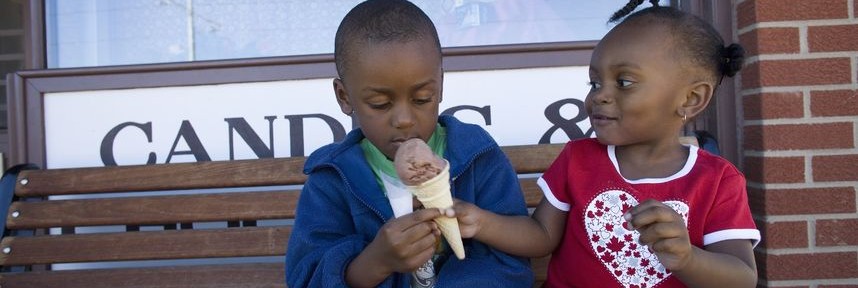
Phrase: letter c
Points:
(107, 156)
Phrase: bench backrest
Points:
(205, 224)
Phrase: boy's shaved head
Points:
(380, 21)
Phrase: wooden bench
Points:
(127, 227)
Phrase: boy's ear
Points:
(698, 97)
(342, 97)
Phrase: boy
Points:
(352, 226)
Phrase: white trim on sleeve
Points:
(732, 234)
(550, 196)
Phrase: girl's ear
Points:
(698, 97)
(343, 97)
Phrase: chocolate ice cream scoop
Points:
(427, 177)
(415, 163)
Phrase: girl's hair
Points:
(695, 39)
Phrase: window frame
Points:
(27, 88)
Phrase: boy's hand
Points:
(663, 231)
(469, 215)
(405, 243)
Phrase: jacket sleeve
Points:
(323, 240)
(496, 188)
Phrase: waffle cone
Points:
(435, 193)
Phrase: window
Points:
(103, 32)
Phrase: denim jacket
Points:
(342, 207)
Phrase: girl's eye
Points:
(624, 83)
(594, 85)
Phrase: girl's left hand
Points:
(663, 231)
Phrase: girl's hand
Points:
(471, 217)
(663, 231)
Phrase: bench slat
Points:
(154, 210)
(532, 192)
(214, 174)
(203, 276)
(159, 210)
(147, 245)
(532, 158)
(177, 176)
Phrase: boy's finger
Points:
(422, 215)
(407, 221)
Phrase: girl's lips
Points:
(599, 119)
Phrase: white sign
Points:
(289, 118)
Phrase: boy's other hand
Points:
(662, 230)
(405, 243)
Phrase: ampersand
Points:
(569, 126)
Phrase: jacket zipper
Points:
(348, 186)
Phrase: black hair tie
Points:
(732, 58)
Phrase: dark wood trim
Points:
(720, 117)
(34, 35)
(26, 109)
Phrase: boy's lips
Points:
(398, 140)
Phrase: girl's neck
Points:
(651, 161)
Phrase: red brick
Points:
(751, 12)
(771, 41)
(832, 38)
(835, 168)
(836, 265)
(834, 103)
(746, 14)
(773, 106)
(838, 232)
(772, 202)
(795, 136)
(838, 286)
(777, 235)
(774, 169)
(797, 72)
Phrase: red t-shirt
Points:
(597, 251)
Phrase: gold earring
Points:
(684, 117)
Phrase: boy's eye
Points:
(594, 85)
(420, 101)
(379, 106)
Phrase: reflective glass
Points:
(108, 32)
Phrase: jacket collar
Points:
(464, 143)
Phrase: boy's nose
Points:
(403, 117)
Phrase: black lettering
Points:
(570, 126)
(107, 156)
(485, 111)
(296, 130)
(251, 138)
(195, 147)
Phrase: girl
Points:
(634, 207)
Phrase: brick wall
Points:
(799, 95)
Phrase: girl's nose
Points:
(602, 97)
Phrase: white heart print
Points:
(629, 262)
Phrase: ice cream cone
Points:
(435, 193)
